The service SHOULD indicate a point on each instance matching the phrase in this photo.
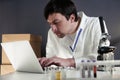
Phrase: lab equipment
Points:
(95, 71)
(55, 73)
(89, 68)
(105, 51)
(83, 69)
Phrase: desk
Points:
(36, 76)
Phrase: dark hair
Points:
(65, 7)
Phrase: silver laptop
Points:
(22, 56)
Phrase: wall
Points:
(26, 16)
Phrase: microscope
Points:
(105, 51)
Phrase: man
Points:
(73, 36)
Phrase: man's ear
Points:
(72, 18)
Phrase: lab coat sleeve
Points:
(96, 39)
(96, 42)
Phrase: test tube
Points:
(83, 69)
(94, 70)
(112, 66)
(63, 73)
(58, 74)
(89, 69)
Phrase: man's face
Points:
(59, 24)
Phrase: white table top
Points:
(73, 75)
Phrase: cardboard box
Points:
(5, 69)
(35, 41)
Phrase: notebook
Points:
(22, 56)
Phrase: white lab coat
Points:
(84, 43)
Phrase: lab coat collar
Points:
(80, 29)
(83, 17)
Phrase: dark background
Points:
(26, 16)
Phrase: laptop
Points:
(22, 56)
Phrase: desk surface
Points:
(70, 76)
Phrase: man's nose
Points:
(53, 28)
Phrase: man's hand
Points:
(45, 62)
(42, 61)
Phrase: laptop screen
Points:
(22, 56)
